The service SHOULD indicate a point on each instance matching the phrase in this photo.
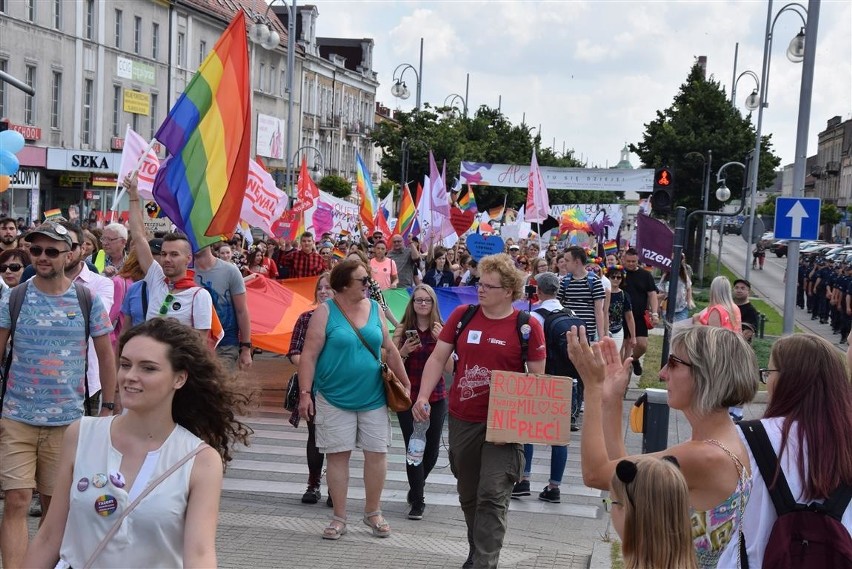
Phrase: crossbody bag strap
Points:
(148, 489)
(357, 333)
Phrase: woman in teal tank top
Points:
(340, 365)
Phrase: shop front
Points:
(82, 184)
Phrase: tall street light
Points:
(261, 33)
(795, 53)
(315, 149)
(453, 97)
(400, 89)
(707, 165)
(404, 155)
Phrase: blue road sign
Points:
(797, 218)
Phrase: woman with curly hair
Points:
(180, 412)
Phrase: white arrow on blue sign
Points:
(797, 218)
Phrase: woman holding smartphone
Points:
(416, 337)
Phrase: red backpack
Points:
(804, 535)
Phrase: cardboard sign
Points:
(527, 408)
(461, 220)
(480, 246)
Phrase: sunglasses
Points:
(15, 267)
(51, 252)
(363, 280)
(675, 361)
(164, 309)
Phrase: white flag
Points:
(538, 206)
(134, 146)
(264, 203)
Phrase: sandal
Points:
(332, 531)
(381, 528)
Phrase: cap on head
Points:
(514, 248)
(51, 231)
(547, 283)
(156, 246)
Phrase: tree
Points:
(767, 208)
(336, 186)
(829, 216)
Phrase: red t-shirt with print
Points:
(485, 345)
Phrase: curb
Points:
(601, 555)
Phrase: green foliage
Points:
(487, 136)
(335, 185)
(829, 214)
(768, 207)
(700, 118)
(385, 188)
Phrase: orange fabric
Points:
(274, 308)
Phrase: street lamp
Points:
(453, 97)
(400, 89)
(795, 53)
(315, 149)
(404, 155)
(707, 165)
(262, 34)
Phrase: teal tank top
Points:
(348, 375)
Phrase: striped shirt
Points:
(580, 295)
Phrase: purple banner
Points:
(655, 242)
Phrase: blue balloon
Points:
(11, 140)
(8, 163)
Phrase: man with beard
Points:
(741, 292)
(8, 234)
(172, 292)
(99, 286)
(44, 391)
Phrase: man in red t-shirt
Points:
(485, 472)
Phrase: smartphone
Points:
(412, 335)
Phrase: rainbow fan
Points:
(573, 219)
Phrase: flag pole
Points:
(120, 194)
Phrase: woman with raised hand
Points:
(808, 420)
(709, 369)
(650, 511)
(172, 442)
(340, 369)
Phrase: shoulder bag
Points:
(395, 392)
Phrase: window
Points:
(57, 14)
(2, 5)
(137, 35)
(29, 101)
(260, 77)
(88, 95)
(56, 101)
(118, 15)
(155, 41)
(90, 19)
(134, 122)
(116, 109)
(4, 67)
(154, 124)
(181, 49)
(31, 10)
(202, 52)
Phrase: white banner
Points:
(134, 146)
(263, 203)
(588, 179)
(332, 214)
(270, 137)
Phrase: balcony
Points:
(817, 171)
(832, 167)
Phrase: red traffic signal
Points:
(662, 198)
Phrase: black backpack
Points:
(804, 535)
(556, 324)
(524, 337)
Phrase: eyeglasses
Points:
(616, 277)
(110, 239)
(15, 267)
(764, 371)
(363, 280)
(421, 301)
(75, 246)
(675, 361)
(487, 286)
(609, 503)
(51, 252)
(164, 309)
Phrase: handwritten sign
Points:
(527, 408)
(480, 246)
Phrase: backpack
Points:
(16, 301)
(556, 324)
(566, 280)
(804, 535)
(523, 335)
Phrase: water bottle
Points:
(417, 442)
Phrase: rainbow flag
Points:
(338, 254)
(407, 214)
(51, 213)
(610, 247)
(369, 200)
(201, 185)
(572, 219)
(468, 201)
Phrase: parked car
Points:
(779, 247)
(732, 227)
(818, 250)
(767, 238)
(838, 252)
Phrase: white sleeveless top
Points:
(152, 535)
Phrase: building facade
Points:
(834, 149)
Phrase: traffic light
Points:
(662, 198)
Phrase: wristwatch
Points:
(245, 345)
(110, 406)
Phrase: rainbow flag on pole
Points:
(201, 185)
(369, 201)
(468, 201)
(407, 214)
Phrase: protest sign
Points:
(528, 408)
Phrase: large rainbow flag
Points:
(407, 214)
(369, 200)
(468, 201)
(201, 185)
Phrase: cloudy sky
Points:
(592, 73)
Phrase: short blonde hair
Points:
(724, 367)
(510, 277)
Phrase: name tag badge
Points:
(474, 336)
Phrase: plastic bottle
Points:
(417, 442)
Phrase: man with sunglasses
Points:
(44, 391)
(172, 291)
